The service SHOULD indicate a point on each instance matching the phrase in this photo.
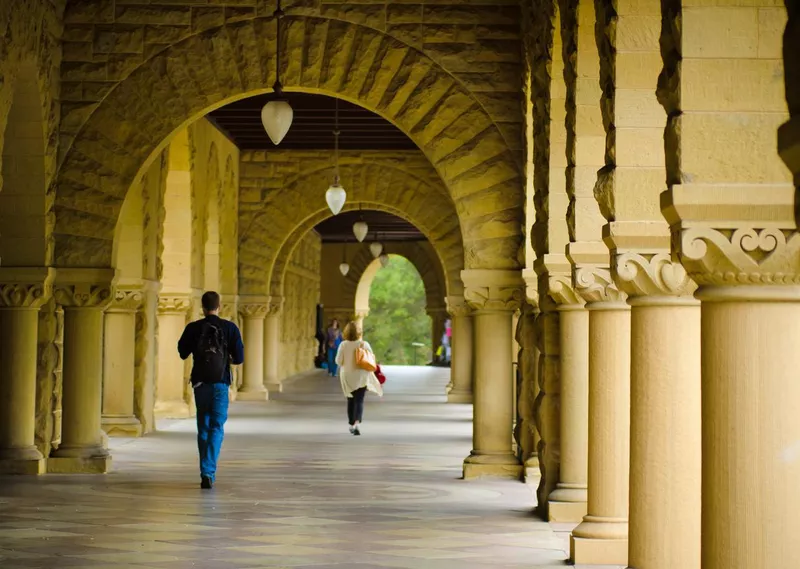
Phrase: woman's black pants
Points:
(355, 405)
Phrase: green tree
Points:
(397, 316)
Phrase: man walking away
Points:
(214, 344)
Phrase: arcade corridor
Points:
(294, 490)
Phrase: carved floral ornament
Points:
(742, 256)
(457, 306)
(254, 310)
(24, 295)
(494, 297)
(595, 284)
(652, 274)
(562, 292)
(174, 303)
(127, 300)
(83, 295)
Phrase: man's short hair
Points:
(210, 301)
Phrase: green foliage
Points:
(397, 315)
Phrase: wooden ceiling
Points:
(312, 127)
(382, 226)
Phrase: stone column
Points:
(567, 503)
(23, 293)
(438, 317)
(84, 294)
(665, 398)
(526, 432)
(462, 349)
(493, 295)
(119, 361)
(171, 403)
(602, 537)
(745, 261)
(272, 340)
(253, 314)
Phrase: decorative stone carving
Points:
(25, 295)
(83, 295)
(562, 292)
(651, 274)
(174, 303)
(493, 290)
(732, 236)
(595, 284)
(254, 310)
(126, 300)
(275, 305)
(457, 306)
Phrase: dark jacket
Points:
(233, 339)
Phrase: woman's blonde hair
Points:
(352, 332)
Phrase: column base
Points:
(492, 466)
(79, 465)
(172, 410)
(252, 395)
(600, 541)
(274, 387)
(531, 471)
(455, 396)
(23, 466)
(128, 427)
(567, 503)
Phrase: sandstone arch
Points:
(189, 78)
(229, 227)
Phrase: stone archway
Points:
(379, 72)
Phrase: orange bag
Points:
(365, 359)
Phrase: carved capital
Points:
(253, 310)
(562, 292)
(126, 300)
(493, 290)
(595, 284)
(752, 238)
(25, 287)
(174, 303)
(531, 286)
(275, 305)
(651, 274)
(83, 295)
(457, 306)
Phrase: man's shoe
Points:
(356, 431)
(206, 483)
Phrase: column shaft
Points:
(568, 500)
(81, 448)
(665, 433)
(602, 537)
(18, 337)
(750, 426)
(170, 390)
(272, 327)
(461, 367)
(252, 388)
(119, 360)
(492, 454)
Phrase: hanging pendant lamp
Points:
(360, 230)
(277, 115)
(336, 196)
(384, 259)
(344, 268)
(375, 248)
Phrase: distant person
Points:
(355, 380)
(334, 338)
(215, 344)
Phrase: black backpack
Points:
(211, 355)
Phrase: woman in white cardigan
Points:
(355, 381)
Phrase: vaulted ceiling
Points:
(312, 127)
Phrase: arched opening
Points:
(24, 208)
(396, 323)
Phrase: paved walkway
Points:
(295, 489)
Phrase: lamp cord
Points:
(336, 138)
(278, 14)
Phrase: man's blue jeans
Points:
(332, 368)
(211, 400)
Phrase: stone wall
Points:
(299, 317)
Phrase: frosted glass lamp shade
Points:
(277, 116)
(344, 268)
(375, 248)
(336, 196)
(360, 230)
(384, 259)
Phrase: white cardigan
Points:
(351, 376)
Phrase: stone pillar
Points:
(527, 435)
(461, 368)
(602, 537)
(358, 317)
(438, 316)
(493, 295)
(84, 294)
(567, 503)
(745, 261)
(665, 398)
(171, 403)
(119, 361)
(272, 341)
(253, 314)
(23, 293)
